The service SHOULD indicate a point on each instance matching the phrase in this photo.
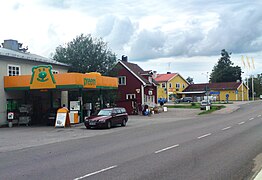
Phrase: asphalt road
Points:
(220, 146)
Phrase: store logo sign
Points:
(42, 77)
(89, 81)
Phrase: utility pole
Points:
(253, 94)
(206, 88)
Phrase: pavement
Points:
(21, 137)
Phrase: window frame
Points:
(130, 96)
(120, 79)
(15, 66)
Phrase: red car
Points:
(106, 118)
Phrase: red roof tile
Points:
(164, 77)
(213, 86)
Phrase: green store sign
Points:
(89, 81)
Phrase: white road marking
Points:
(251, 119)
(170, 147)
(226, 128)
(200, 137)
(259, 115)
(242, 122)
(93, 173)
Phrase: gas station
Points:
(31, 97)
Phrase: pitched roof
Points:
(28, 57)
(137, 71)
(165, 77)
(213, 86)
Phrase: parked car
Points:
(107, 118)
(184, 99)
(204, 104)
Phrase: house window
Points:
(170, 85)
(122, 80)
(130, 96)
(55, 72)
(177, 85)
(13, 70)
(163, 85)
(183, 86)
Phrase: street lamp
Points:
(206, 76)
(206, 88)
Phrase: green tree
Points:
(257, 80)
(224, 71)
(86, 54)
(190, 80)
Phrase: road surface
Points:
(219, 146)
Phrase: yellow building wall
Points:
(231, 93)
(233, 96)
(245, 93)
(162, 93)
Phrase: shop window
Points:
(122, 80)
(13, 70)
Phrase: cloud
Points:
(116, 31)
(239, 31)
(143, 30)
(147, 44)
(60, 4)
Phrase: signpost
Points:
(62, 118)
(227, 96)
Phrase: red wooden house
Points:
(136, 87)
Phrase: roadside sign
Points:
(62, 118)
(215, 92)
(10, 116)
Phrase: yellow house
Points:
(234, 91)
(170, 85)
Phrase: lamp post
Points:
(206, 76)
(206, 88)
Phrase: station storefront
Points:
(33, 98)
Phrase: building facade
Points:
(170, 85)
(33, 87)
(232, 91)
(14, 62)
(136, 87)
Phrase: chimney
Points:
(11, 44)
(154, 74)
(124, 58)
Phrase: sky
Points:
(184, 37)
